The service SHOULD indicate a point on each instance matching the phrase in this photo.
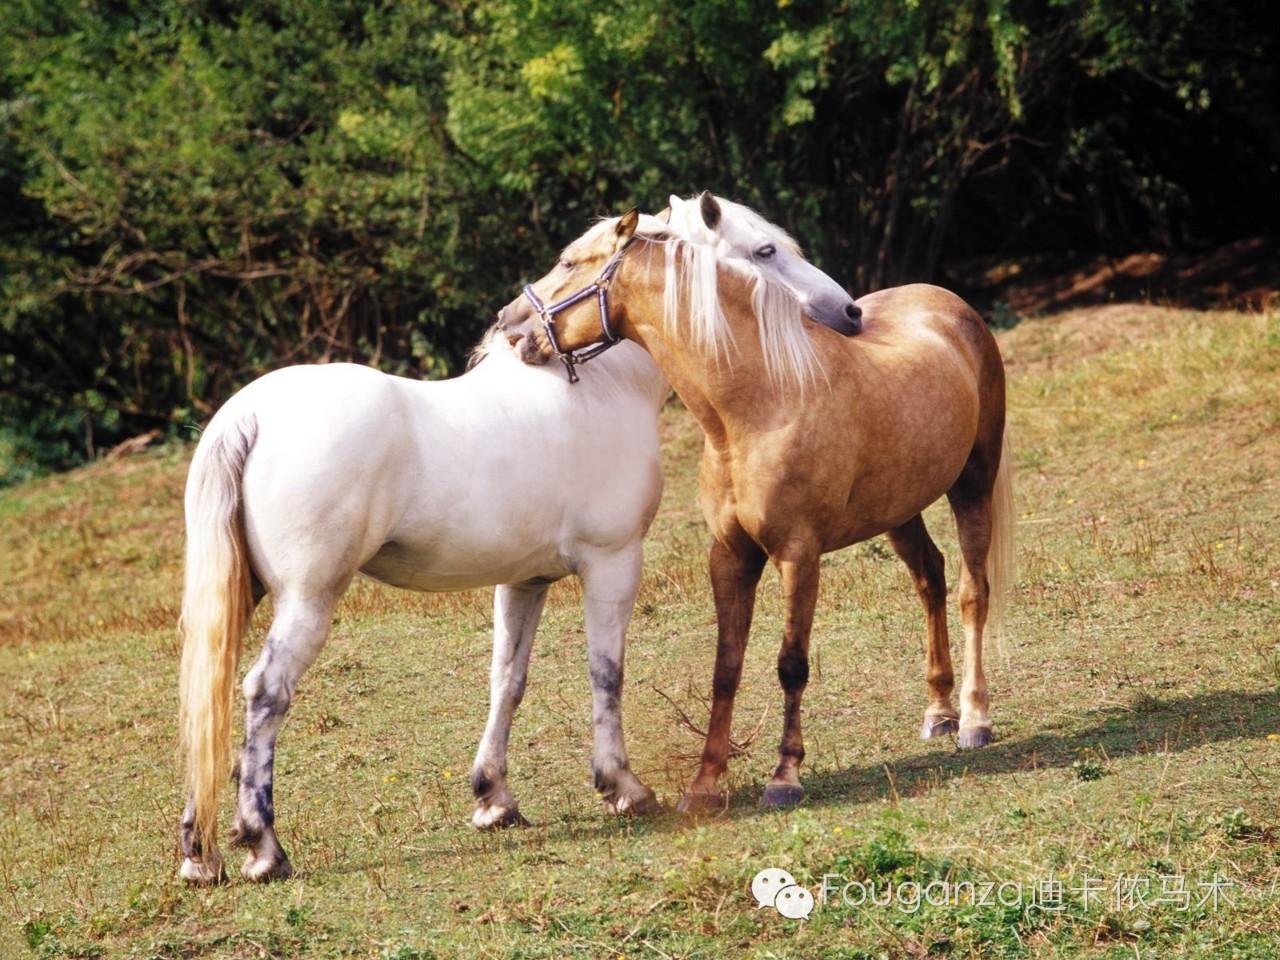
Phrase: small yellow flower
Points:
(448, 774)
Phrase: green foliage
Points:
(191, 194)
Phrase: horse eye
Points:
(567, 264)
(765, 252)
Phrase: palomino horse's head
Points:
(743, 238)
(568, 309)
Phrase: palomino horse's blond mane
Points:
(691, 300)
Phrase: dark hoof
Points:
(974, 737)
(498, 819)
(782, 795)
(939, 726)
(644, 805)
(695, 803)
(264, 871)
(200, 874)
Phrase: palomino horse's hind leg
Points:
(296, 636)
(609, 586)
(735, 573)
(973, 525)
(517, 609)
(800, 587)
(913, 544)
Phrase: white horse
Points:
(505, 475)
(508, 475)
(786, 281)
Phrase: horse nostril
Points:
(853, 311)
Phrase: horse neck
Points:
(722, 392)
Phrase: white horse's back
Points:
(454, 504)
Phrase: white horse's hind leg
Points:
(517, 609)
(202, 867)
(297, 634)
(609, 587)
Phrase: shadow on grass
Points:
(1151, 726)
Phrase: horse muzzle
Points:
(842, 315)
(850, 321)
(520, 326)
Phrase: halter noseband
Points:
(599, 288)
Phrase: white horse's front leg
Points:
(609, 587)
(517, 609)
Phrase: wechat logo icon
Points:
(778, 889)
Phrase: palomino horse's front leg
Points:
(517, 610)
(735, 573)
(800, 588)
(297, 633)
(913, 544)
(609, 586)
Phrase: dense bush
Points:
(192, 193)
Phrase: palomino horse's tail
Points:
(1000, 558)
(217, 601)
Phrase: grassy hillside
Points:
(1133, 792)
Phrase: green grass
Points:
(1137, 718)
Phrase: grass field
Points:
(1130, 806)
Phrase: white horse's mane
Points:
(691, 292)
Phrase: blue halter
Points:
(599, 288)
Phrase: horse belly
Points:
(440, 566)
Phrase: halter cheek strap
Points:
(599, 288)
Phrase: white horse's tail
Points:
(217, 602)
(1000, 558)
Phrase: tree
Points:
(193, 193)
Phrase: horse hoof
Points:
(265, 870)
(696, 802)
(200, 874)
(644, 804)
(498, 818)
(782, 795)
(939, 726)
(971, 737)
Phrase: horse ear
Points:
(710, 210)
(627, 224)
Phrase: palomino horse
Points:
(814, 441)
(505, 475)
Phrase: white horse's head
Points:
(740, 234)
